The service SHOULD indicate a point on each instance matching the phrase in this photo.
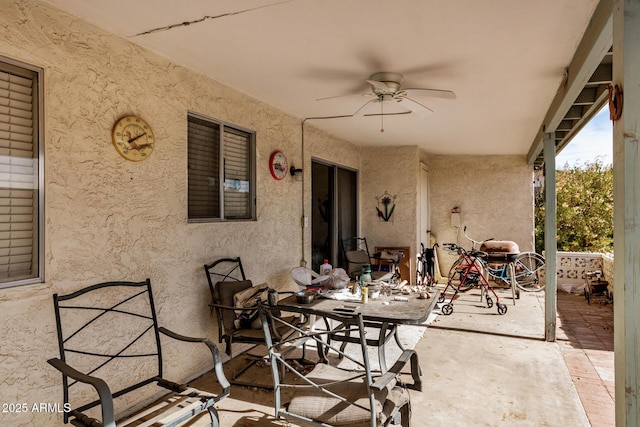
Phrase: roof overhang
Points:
(585, 87)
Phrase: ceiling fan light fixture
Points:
(387, 99)
(386, 90)
(385, 82)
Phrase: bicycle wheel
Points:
(527, 269)
(456, 273)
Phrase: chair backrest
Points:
(226, 278)
(223, 270)
(109, 330)
(328, 395)
(355, 244)
(356, 254)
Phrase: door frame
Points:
(334, 232)
(424, 230)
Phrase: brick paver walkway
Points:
(588, 353)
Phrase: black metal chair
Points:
(330, 396)
(356, 254)
(226, 279)
(109, 343)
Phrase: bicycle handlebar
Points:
(475, 243)
(459, 249)
(423, 247)
(450, 246)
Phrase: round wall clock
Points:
(278, 165)
(133, 138)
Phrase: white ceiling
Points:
(504, 59)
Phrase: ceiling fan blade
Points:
(322, 73)
(369, 58)
(359, 111)
(352, 96)
(387, 114)
(434, 93)
(438, 68)
(416, 107)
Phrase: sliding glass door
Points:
(334, 216)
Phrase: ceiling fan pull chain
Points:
(381, 116)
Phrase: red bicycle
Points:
(468, 273)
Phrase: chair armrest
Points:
(180, 337)
(382, 381)
(224, 307)
(215, 354)
(286, 292)
(272, 323)
(104, 393)
(407, 355)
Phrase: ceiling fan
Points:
(386, 90)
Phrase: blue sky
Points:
(595, 140)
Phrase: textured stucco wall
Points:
(396, 171)
(109, 219)
(494, 194)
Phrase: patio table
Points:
(385, 314)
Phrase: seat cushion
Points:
(358, 257)
(225, 292)
(355, 261)
(256, 334)
(312, 403)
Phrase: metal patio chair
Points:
(356, 254)
(110, 344)
(330, 396)
(226, 279)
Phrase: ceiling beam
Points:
(574, 113)
(589, 111)
(602, 75)
(593, 47)
(587, 96)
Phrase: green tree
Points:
(584, 209)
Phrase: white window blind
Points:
(236, 174)
(221, 173)
(19, 183)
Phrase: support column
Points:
(626, 222)
(550, 237)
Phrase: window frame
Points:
(251, 136)
(36, 73)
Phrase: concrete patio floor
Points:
(483, 369)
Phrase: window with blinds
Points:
(221, 176)
(20, 186)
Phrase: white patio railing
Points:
(573, 266)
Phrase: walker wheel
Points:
(489, 302)
(502, 309)
(441, 297)
(447, 309)
(517, 293)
